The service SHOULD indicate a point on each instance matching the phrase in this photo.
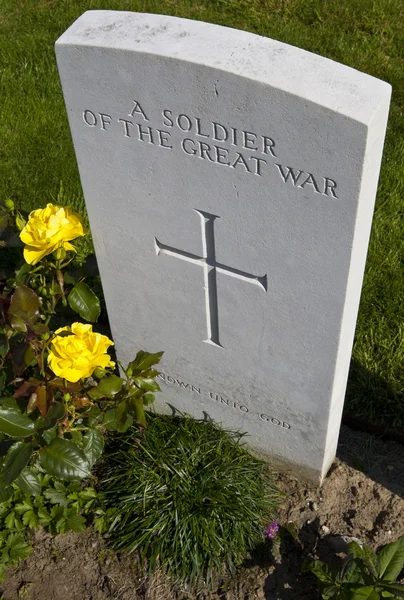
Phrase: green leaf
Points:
(148, 399)
(24, 306)
(49, 435)
(29, 356)
(100, 524)
(391, 559)
(148, 384)
(29, 483)
(56, 497)
(71, 521)
(13, 423)
(84, 302)
(19, 550)
(57, 512)
(396, 589)
(124, 425)
(5, 492)
(351, 571)
(355, 549)
(44, 517)
(121, 414)
(371, 561)
(320, 569)
(69, 278)
(122, 418)
(93, 445)
(109, 419)
(77, 438)
(365, 593)
(8, 402)
(144, 360)
(16, 460)
(4, 345)
(10, 520)
(75, 522)
(60, 487)
(63, 459)
(108, 387)
(88, 493)
(30, 519)
(23, 506)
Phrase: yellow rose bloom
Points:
(75, 357)
(48, 229)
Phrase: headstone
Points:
(230, 182)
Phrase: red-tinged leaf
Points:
(32, 403)
(65, 386)
(24, 306)
(82, 402)
(40, 329)
(42, 400)
(17, 356)
(60, 279)
(27, 388)
(18, 324)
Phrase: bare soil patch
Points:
(362, 497)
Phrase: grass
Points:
(36, 152)
(187, 495)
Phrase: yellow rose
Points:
(74, 357)
(48, 229)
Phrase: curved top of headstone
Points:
(315, 78)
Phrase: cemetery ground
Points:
(362, 497)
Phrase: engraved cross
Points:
(210, 269)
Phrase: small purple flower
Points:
(271, 530)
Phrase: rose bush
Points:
(58, 389)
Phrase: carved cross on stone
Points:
(210, 269)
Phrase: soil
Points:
(362, 497)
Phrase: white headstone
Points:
(230, 182)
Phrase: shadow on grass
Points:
(373, 404)
(367, 443)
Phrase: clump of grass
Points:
(187, 495)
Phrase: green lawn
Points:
(36, 152)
